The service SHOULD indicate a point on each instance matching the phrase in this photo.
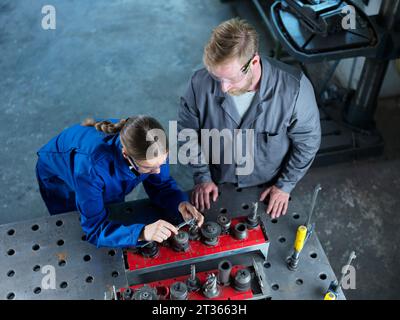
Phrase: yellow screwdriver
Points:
(303, 234)
(298, 246)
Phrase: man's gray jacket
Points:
(283, 114)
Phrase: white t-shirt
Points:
(243, 102)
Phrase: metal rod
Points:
(328, 79)
(361, 109)
(255, 208)
(115, 293)
(346, 267)
(185, 223)
(265, 19)
(314, 200)
(192, 272)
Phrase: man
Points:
(240, 90)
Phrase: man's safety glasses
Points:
(244, 69)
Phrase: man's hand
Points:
(189, 212)
(158, 231)
(201, 195)
(278, 201)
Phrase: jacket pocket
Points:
(270, 146)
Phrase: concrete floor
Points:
(120, 58)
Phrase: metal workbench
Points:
(82, 271)
(86, 272)
(314, 273)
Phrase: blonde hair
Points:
(234, 38)
(135, 134)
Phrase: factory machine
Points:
(314, 31)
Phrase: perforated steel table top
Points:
(86, 272)
(31, 250)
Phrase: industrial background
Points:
(120, 58)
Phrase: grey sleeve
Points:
(189, 118)
(304, 131)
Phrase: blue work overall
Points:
(82, 169)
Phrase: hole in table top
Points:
(35, 227)
(63, 285)
(35, 247)
(313, 255)
(11, 296)
(296, 216)
(267, 265)
(59, 223)
(282, 239)
(274, 221)
(275, 287)
(11, 232)
(37, 290)
(299, 282)
(245, 206)
(11, 252)
(62, 263)
(111, 253)
(10, 273)
(87, 258)
(60, 242)
(36, 268)
(223, 210)
(323, 276)
(89, 279)
(115, 274)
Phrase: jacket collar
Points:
(121, 165)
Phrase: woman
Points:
(91, 165)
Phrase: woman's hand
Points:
(158, 231)
(189, 212)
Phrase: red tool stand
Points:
(198, 251)
(226, 292)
